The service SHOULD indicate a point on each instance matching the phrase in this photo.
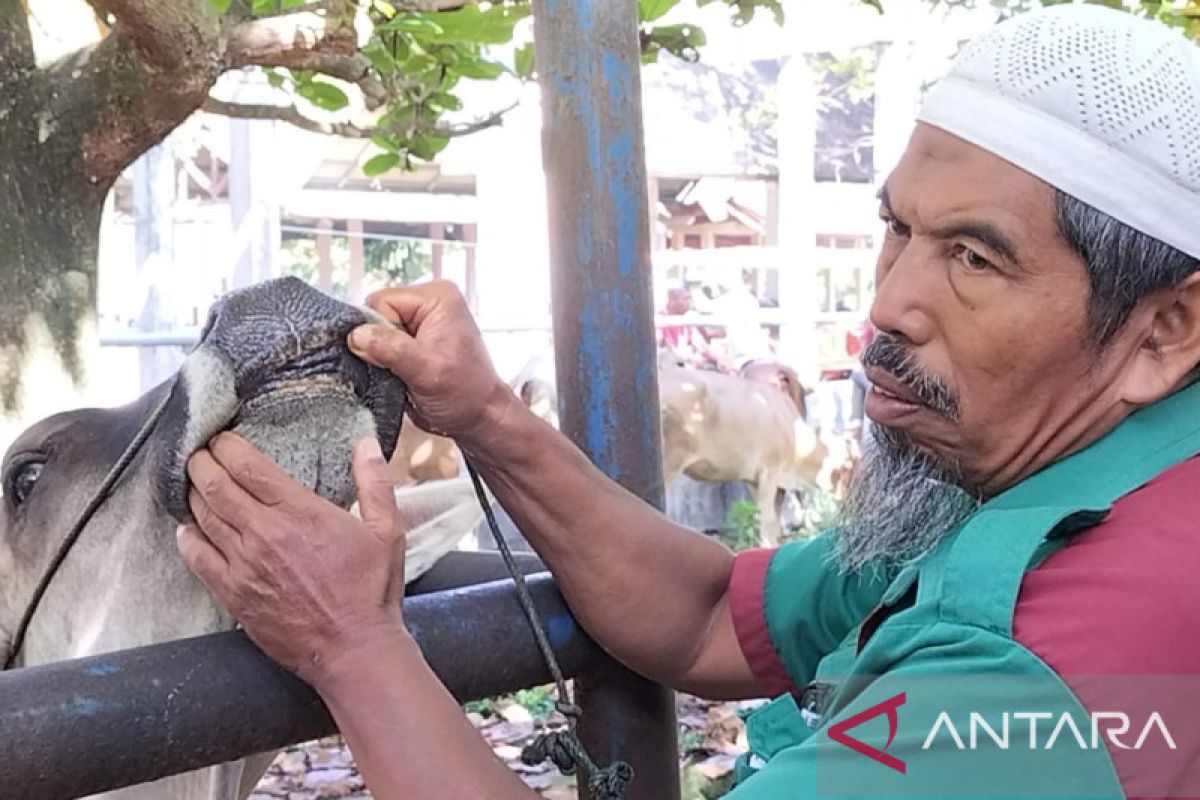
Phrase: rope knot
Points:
(557, 747)
(609, 783)
(568, 709)
(563, 749)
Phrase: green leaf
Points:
(445, 100)
(650, 10)
(523, 61)
(417, 64)
(262, 6)
(480, 70)
(418, 24)
(379, 57)
(276, 78)
(493, 25)
(323, 95)
(377, 165)
(288, 5)
(220, 6)
(426, 147)
(682, 40)
(384, 7)
(384, 143)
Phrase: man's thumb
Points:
(376, 497)
(384, 346)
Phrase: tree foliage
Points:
(420, 52)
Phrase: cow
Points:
(749, 427)
(421, 457)
(273, 366)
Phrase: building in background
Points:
(763, 169)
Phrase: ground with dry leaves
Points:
(711, 736)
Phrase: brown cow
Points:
(748, 428)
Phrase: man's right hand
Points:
(437, 350)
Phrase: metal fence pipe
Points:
(461, 568)
(588, 62)
(79, 727)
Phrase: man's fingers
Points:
(261, 477)
(219, 533)
(202, 558)
(390, 348)
(408, 305)
(376, 493)
(401, 305)
(228, 501)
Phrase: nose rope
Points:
(562, 748)
(106, 487)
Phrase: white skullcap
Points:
(1097, 103)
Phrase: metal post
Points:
(588, 61)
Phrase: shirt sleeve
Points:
(792, 605)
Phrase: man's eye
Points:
(971, 259)
(895, 227)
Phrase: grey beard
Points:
(900, 504)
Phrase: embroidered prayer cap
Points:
(1096, 102)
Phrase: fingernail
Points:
(180, 530)
(360, 338)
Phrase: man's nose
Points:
(905, 295)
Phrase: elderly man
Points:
(1019, 548)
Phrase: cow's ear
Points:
(792, 388)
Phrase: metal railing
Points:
(100, 723)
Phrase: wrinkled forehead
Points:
(942, 179)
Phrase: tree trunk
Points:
(49, 230)
(67, 130)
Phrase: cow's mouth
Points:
(300, 397)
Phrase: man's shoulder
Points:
(1120, 596)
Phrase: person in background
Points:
(742, 337)
(686, 342)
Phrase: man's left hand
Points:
(310, 583)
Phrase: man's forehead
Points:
(942, 177)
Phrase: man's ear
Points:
(1168, 323)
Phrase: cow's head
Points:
(272, 365)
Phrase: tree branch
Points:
(291, 114)
(169, 36)
(306, 40)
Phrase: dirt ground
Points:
(711, 736)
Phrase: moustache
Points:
(889, 354)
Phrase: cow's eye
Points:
(22, 479)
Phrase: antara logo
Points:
(1116, 727)
(1113, 724)
(838, 733)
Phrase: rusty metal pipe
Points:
(79, 727)
(589, 60)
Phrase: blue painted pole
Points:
(588, 62)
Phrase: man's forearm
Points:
(646, 589)
(409, 737)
